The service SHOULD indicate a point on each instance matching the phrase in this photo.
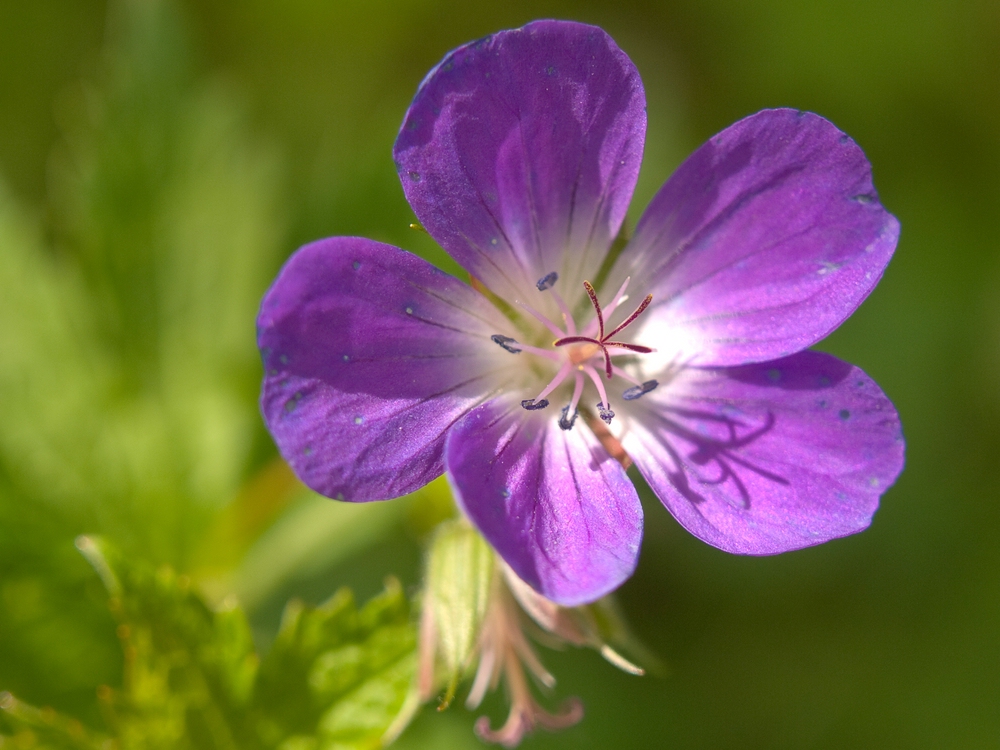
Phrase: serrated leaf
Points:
(361, 718)
(336, 673)
(189, 670)
(354, 667)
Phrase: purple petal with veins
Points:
(558, 509)
(768, 458)
(764, 240)
(371, 354)
(520, 153)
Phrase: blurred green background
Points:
(159, 161)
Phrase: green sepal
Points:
(460, 571)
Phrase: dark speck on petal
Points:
(774, 374)
(845, 414)
(415, 176)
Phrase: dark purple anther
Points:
(531, 405)
(565, 421)
(605, 413)
(547, 281)
(639, 390)
(506, 342)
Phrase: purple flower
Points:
(570, 356)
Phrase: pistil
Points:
(604, 339)
(581, 350)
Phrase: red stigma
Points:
(604, 339)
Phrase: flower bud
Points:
(460, 570)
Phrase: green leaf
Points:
(339, 673)
(189, 670)
(24, 726)
(336, 676)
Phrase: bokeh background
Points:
(159, 159)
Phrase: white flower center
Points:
(580, 355)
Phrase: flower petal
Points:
(771, 457)
(763, 241)
(558, 509)
(523, 146)
(370, 355)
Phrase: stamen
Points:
(515, 347)
(547, 353)
(592, 373)
(534, 404)
(542, 319)
(625, 376)
(640, 390)
(620, 296)
(604, 413)
(547, 281)
(506, 342)
(565, 421)
(567, 315)
(564, 371)
(577, 392)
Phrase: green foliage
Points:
(129, 374)
(336, 676)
